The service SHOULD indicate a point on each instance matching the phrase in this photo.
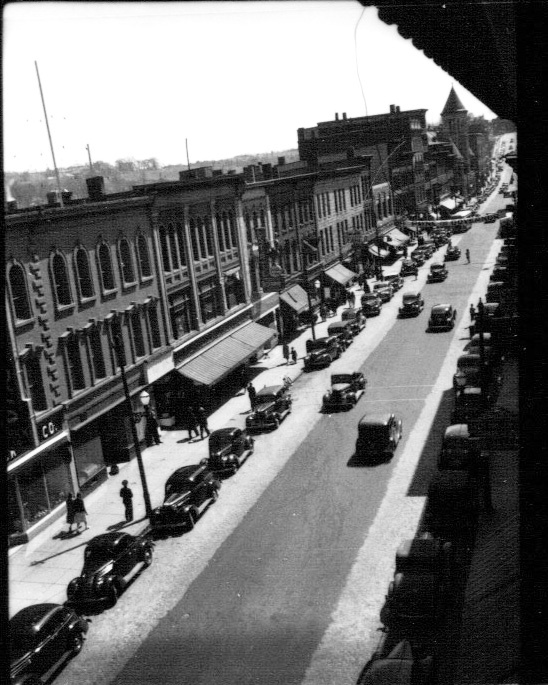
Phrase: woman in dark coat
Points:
(70, 511)
(80, 513)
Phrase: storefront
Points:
(337, 278)
(294, 304)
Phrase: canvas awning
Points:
(396, 237)
(340, 274)
(462, 214)
(219, 360)
(378, 251)
(449, 203)
(296, 298)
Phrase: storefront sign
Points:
(50, 426)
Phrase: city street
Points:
(284, 578)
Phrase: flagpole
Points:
(49, 136)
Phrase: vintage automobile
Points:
(429, 247)
(228, 449)
(452, 253)
(470, 403)
(188, 493)
(440, 238)
(418, 256)
(442, 317)
(42, 638)
(425, 554)
(111, 561)
(412, 305)
(409, 268)
(371, 304)
(458, 450)
(346, 390)
(452, 505)
(378, 435)
(321, 352)
(490, 218)
(395, 280)
(384, 290)
(401, 666)
(272, 405)
(470, 371)
(341, 330)
(438, 273)
(356, 319)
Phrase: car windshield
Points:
(410, 298)
(98, 556)
(265, 399)
(436, 267)
(218, 442)
(369, 297)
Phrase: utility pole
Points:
(49, 136)
(89, 157)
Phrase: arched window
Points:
(84, 278)
(144, 256)
(61, 283)
(126, 262)
(105, 267)
(19, 292)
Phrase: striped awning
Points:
(213, 364)
(340, 274)
(296, 298)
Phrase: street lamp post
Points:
(133, 419)
(480, 315)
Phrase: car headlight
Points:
(224, 458)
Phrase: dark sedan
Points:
(412, 305)
(452, 253)
(228, 449)
(419, 257)
(438, 273)
(399, 667)
(42, 638)
(111, 561)
(409, 268)
(442, 317)
(371, 304)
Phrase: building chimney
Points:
(392, 109)
(96, 187)
(397, 109)
(344, 116)
(281, 161)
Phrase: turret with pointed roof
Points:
(453, 104)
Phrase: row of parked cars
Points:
(422, 590)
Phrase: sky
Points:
(137, 80)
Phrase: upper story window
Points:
(105, 267)
(32, 374)
(180, 232)
(143, 254)
(194, 240)
(164, 246)
(84, 279)
(60, 277)
(208, 237)
(19, 292)
(74, 362)
(126, 262)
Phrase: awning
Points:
(209, 367)
(296, 298)
(396, 237)
(449, 203)
(462, 214)
(377, 251)
(340, 274)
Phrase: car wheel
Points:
(112, 596)
(77, 642)
(147, 556)
(276, 422)
(191, 520)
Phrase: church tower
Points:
(454, 121)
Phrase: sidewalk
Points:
(40, 570)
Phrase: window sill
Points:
(128, 286)
(87, 300)
(65, 307)
(22, 323)
(147, 279)
(107, 293)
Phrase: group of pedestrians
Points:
(76, 512)
(289, 354)
(196, 422)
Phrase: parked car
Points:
(111, 561)
(452, 253)
(371, 304)
(346, 389)
(438, 273)
(452, 505)
(409, 268)
(429, 247)
(272, 405)
(42, 638)
(378, 435)
(425, 554)
(418, 257)
(490, 218)
(442, 317)
(458, 450)
(321, 352)
(470, 367)
(188, 493)
(412, 305)
(470, 403)
(356, 319)
(228, 449)
(384, 290)
(395, 280)
(343, 332)
(399, 667)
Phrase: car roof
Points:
(270, 390)
(185, 472)
(410, 295)
(34, 617)
(108, 539)
(375, 419)
(441, 307)
(224, 432)
(457, 430)
(437, 265)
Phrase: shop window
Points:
(34, 381)
(156, 337)
(105, 268)
(144, 257)
(209, 305)
(234, 290)
(61, 282)
(88, 448)
(137, 331)
(180, 231)
(15, 515)
(126, 262)
(84, 278)
(165, 249)
(19, 292)
(74, 359)
(97, 356)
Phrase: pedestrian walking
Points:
(294, 355)
(202, 422)
(472, 313)
(323, 312)
(352, 298)
(467, 253)
(191, 423)
(80, 513)
(127, 498)
(349, 298)
(285, 350)
(70, 511)
(151, 428)
(252, 395)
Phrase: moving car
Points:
(412, 305)
(459, 450)
(346, 390)
(438, 273)
(321, 352)
(384, 290)
(111, 561)
(188, 493)
(272, 405)
(356, 319)
(409, 268)
(452, 253)
(342, 331)
(399, 667)
(395, 280)
(378, 435)
(42, 638)
(228, 449)
(442, 317)
(371, 304)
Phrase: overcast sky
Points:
(136, 80)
